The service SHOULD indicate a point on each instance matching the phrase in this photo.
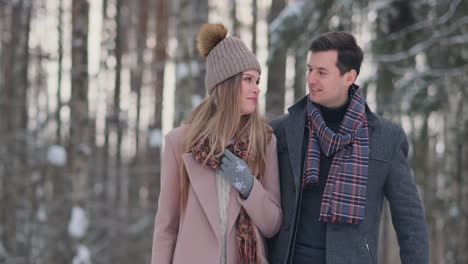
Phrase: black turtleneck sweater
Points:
(311, 234)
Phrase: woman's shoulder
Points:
(271, 138)
(177, 135)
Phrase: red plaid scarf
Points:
(245, 234)
(344, 197)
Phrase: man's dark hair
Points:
(349, 53)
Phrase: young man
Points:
(337, 162)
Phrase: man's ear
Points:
(350, 77)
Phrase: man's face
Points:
(327, 87)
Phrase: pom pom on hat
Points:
(209, 36)
(226, 56)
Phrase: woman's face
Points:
(249, 91)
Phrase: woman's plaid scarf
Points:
(245, 234)
(344, 197)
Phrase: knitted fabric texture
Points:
(230, 57)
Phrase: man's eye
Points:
(248, 79)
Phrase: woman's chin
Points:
(248, 111)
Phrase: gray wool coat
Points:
(389, 177)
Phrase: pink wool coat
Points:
(194, 236)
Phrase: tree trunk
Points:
(60, 185)
(464, 183)
(13, 93)
(190, 67)
(235, 21)
(59, 74)
(254, 25)
(160, 57)
(454, 228)
(276, 82)
(106, 195)
(385, 94)
(387, 24)
(300, 68)
(79, 126)
(137, 85)
(116, 112)
(79, 148)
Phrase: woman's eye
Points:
(248, 79)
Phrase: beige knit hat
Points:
(225, 56)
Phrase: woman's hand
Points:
(237, 173)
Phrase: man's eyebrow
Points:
(318, 68)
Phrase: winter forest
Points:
(89, 88)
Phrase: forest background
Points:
(88, 89)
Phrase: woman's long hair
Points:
(217, 120)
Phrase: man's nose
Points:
(311, 78)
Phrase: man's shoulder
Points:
(388, 127)
(279, 121)
(386, 136)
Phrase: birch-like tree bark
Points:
(276, 81)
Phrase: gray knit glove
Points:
(237, 173)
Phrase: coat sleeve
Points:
(263, 204)
(406, 207)
(166, 225)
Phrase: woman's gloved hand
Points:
(237, 173)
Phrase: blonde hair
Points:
(217, 119)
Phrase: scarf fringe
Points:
(246, 239)
(340, 219)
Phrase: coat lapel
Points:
(203, 181)
(295, 138)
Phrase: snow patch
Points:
(187, 69)
(421, 62)
(78, 223)
(41, 214)
(3, 252)
(35, 176)
(454, 211)
(85, 149)
(196, 100)
(57, 155)
(83, 256)
(291, 10)
(155, 138)
(40, 192)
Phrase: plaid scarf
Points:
(344, 197)
(245, 234)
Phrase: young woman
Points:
(219, 182)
